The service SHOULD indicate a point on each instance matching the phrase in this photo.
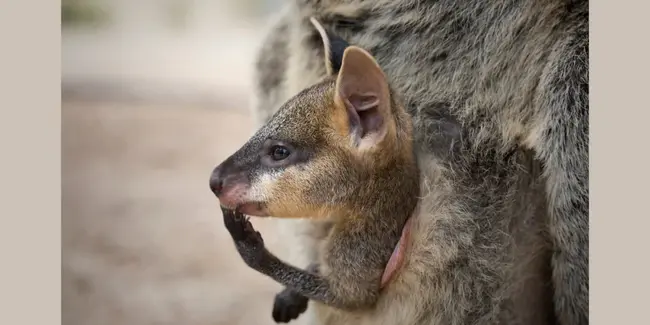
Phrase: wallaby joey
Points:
(340, 151)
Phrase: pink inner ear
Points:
(371, 121)
(366, 109)
(363, 102)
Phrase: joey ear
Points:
(333, 45)
(363, 91)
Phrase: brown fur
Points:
(497, 92)
(352, 163)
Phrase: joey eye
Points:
(279, 153)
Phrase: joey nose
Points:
(216, 181)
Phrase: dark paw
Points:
(240, 228)
(249, 243)
(288, 305)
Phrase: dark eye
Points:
(279, 153)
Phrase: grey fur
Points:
(502, 233)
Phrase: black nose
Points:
(216, 181)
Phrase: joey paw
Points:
(240, 228)
(288, 305)
(248, 241)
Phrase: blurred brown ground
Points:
(143, 240)
(150, 107)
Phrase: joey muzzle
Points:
(231, 187)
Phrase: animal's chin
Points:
(255, 209)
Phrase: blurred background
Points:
(155, 94)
